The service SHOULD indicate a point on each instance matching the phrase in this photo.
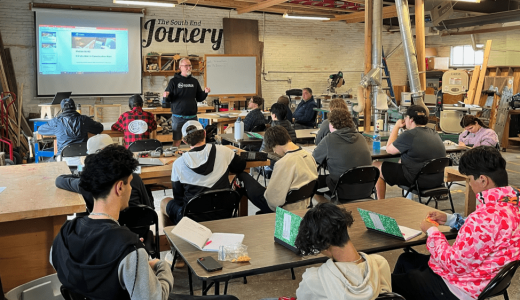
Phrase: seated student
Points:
(416, 145)
(136, 124)
(204, 167)
(487, 241)
(285, 101)
(295, 169)
(304, 116)
(116, 265)
(255, 117)
(278, 116)
(139, 194)
(476, 133)
(324, 127)
(342, 150)
(348, 274)
(70, 127)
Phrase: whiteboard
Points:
(231, 75)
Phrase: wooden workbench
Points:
(32, 211)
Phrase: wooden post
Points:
(368, 61)
(482, 75)
(473, 85)
(420, 41)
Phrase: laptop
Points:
(387, 225)
(143, 161)
(286, 228)
(58, 97)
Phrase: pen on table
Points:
(209, 242)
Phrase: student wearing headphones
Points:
(136, 123)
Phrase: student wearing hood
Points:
(341, 150)
(70, 127)
(348, 274)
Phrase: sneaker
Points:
(441, 197)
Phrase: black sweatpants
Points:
(254, 192)
(414, 279)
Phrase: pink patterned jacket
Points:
(488, 240)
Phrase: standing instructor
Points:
(182, 94)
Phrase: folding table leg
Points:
(217, 288)
(190, 281)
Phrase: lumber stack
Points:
(16, 120)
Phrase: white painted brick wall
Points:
(309, 51)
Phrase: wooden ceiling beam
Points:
(259, 6)
(357, 17)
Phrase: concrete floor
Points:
(278, 284)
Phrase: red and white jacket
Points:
(488, 240)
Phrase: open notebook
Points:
(387, 225)
(202, 238)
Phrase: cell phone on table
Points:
(209, 264)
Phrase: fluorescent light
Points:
(144, 3)
(306, 17)
(474, 1)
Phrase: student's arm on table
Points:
(118, 126)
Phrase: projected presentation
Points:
(80, 50)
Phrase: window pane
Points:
(479, 57)
(469, 57)
(457, 55)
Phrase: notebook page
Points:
(222, 239)
(409, 233)
(192, 232)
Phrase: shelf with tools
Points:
(168, 65)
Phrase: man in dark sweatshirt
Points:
(182, 94)
(96, 257)
(70, 127)
(341, 150)
(205, 167)
(304, 115)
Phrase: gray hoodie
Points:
(342, 150)
(343, 280)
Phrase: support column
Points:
(368, 61)
(420, 41)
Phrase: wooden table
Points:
(32, 211)
(221, 122)
(301, 134)
(268, 256)
(470, 200)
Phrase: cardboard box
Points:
(437, 63)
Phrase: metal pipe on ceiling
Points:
(377, 52)
(410, 54)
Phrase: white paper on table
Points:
(2, 188)
(409, 233)
(309, 149)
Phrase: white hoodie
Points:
(343, 280)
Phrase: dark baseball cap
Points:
(67, 103)
(415, 110)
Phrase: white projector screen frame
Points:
(117, 72)
(231, 74)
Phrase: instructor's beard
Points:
(188, 73)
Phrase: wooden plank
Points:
(259, 6)
(483, 70)
(473, 85)
(368, 62)
(358, 17)
(20, 102)
(420, 41)
(11, 77)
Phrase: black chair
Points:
(258, 128)
(71, 150)
(70, 295)
(499, 284)
(355, 184)
(139, 219)
(144, 145)
(304, 192)
(210, 206)
(390, 296)
(430, 182)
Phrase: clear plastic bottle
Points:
(376, 144)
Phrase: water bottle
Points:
(78, 108)
(239, 129)
(376, 145)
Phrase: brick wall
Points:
(307, 51)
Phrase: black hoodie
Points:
(86, 255)
(185, 92)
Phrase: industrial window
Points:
(465, 56)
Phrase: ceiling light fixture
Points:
(306, 17)
(474, 1)
(144, 3)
